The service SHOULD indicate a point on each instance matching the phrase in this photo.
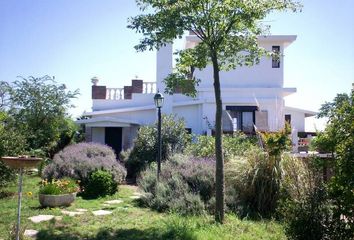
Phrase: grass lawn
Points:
(127, 221)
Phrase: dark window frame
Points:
(242, 109)
(276, 60)
(287, 118)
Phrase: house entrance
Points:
(243, 117)
(113, 138)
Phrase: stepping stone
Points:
(101, 212)
(81, 210)
(58, 218)
(113, 201)
(137, 194)
(41, 218)
(105, 205)
(71, 214)
(30, 233)
(135, 197)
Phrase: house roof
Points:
(307, 113)
(106, 122)
(192, 40)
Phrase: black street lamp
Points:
(158, 99)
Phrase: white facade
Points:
(251, 96)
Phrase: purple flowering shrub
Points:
(186, 185)
(79, 160)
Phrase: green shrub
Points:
(275, 143)
(252, 183)
(235, 145)
(308, 217)
(99, 184)
(12, 143)
(174, 140)
(323, 143)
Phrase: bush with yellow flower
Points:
(58, 186)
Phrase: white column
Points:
(163, 69)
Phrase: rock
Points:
(117, 201)
(81, 210)
(135, 197)
(30, 233)
(70, 213)
(101, 212)
(41, 218)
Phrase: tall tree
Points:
(227, 30)
(39, 108)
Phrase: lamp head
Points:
(158, 99)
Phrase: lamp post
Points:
(158, 99)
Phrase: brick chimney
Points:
(128, 92)
(98, 92)
(137, 86)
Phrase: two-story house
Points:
(252, 96)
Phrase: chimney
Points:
(98, 92)
(137, 86)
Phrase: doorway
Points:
(113, 138)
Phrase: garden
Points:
(79, 190)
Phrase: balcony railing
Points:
(119, 94)
(115, 93)
(149, 87)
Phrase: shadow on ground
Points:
(122, 234)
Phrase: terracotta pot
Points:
(56, 200)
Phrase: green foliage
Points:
(253, 183)
(58, 187)
(307, 218)
(39, 108)
(11, 144)
(99, 184)
(174, 140)
(323, 143)
(236, 145)
(186, 185)
(340, 131)
(277, 142)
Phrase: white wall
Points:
(98, 135)
(128, 136)
(192, 116)
(261, 75)
(297, 119)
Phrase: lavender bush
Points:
(79, 160)
(186, 185)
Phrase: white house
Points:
(252, 96)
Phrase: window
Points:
(243, 117)
(276, 59)
(288, 118)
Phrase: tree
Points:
(340, 130)
(39, 108)
(228, 31)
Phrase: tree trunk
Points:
(219, 173)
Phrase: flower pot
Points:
(56, 200)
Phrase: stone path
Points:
(41, 218)
(117, 201)
(71, 213)
(101, 212)
(78, 211)
(30, 233)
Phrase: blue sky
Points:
(76, 40)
